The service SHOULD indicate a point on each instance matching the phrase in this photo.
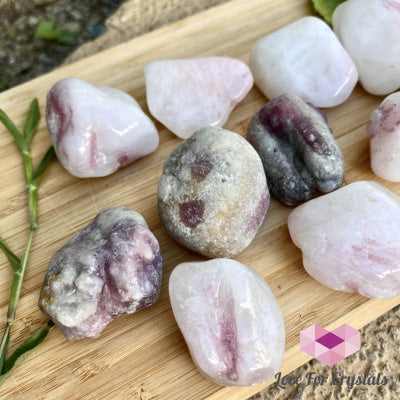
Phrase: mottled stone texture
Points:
(230, 320)
(298, 151)
(112, 267)
(384, 129)
(370, 31)
(213, 195)
(304, 58)
(95, 129)
(187, 94)
(350, 239)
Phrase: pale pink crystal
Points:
(350, 239)
(370, 30)
(188, 94)
(95, 129)
(304, 58)
(384, 128)
(230, 320)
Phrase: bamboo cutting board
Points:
(143, 356)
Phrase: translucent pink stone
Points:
(350, 239)
(370, 30)
(384, 129)
(95, 129)
(230, 320)
(188, 94)
(304, 58)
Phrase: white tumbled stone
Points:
(230, 320)
(384, 129)
(189, 94)
(304, 58)
(95, 129)
(350, 239)
(370, 32)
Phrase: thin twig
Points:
(32, 179)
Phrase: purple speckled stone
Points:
(297, 148)
(111, 268)
(213, 194)
(230, 320)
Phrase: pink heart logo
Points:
(330, 347)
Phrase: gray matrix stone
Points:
(111, 268)
(213, 195)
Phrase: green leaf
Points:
(16, 134)
(32, 120)
(66, 37)
(12, 258)
(10, 33)
(47, 30)
(24, 349)
(43, 164)
(326, 8)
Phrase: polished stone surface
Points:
(297, 148)
(304, 58)
(230, 320)
(213, 194)
(95, 129)
(370, 31)
(188, 94)
(384, 130)
(350, 239)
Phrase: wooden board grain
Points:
(143, 356)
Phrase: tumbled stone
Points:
(304, 58)
(95, 129)
(298, 151)
(384, 129)
(370, 31)
(350, 239)
(230, 320)
(111, 268)
(213, 195)
(188, 94)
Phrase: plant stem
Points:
(32, 178)
(14, 297)
(19, 274)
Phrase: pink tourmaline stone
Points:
(370, 30)
(384, 129)
(304, 58)
(112, 267)
(189, 94)
(350, 239)
(230, 320)
(95, 129)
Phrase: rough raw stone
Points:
(297, 149)
(188, 94)
(370, 31)
(304, 58)
(230, 320)
(350, 239)
(384, 129)
(213, 194)
(95, 129)
(111, 268)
